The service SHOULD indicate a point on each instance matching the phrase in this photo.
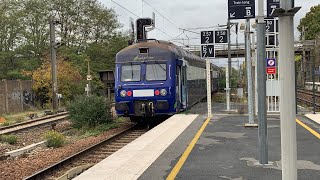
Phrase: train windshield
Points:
(156, 72)
(130, 73)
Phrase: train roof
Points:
(156, 50)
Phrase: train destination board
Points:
(241, 9)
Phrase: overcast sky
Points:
(185, 14)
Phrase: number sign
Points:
(207, 51)
(206, 37)
(272, 25)
(221, 36)
(269, 25)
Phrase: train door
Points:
(184, 92)
(178, 88)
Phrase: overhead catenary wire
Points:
(162, 31)
(167, 19)
(125, 8)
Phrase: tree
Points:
(68, 79)
(311, 22)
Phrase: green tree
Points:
(311, 22)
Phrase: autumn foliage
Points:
(68, 78)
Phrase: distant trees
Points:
(89, 32)
(311, 22)
(85, 25)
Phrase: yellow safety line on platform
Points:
(186, 153)
(308, 128)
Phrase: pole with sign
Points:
(208, 51)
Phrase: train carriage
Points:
(158, 78)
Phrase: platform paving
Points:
(227, 150)
(132, 160)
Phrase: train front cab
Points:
(151, 88)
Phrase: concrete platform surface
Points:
(228, 151)
(314, 117)
(133, 159)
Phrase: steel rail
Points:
(42, 173)
(15, 127)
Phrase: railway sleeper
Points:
(112, 147)
(118, 143)
(97, 155)
(137, 132)
(129, 138)
(123, 141)
(87, 161)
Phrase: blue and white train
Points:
(158, 78)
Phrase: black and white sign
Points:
(206, 37)
(241, 9)
(271, 6)
(207, 51)
(270, 26)
(221, 36)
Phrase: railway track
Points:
(33, 123)
(73, 165)
(308, 92)
(306, 97)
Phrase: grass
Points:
(10, 139)
(121, 119)
(87, 132)
(17, 117)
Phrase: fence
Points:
(15, 95)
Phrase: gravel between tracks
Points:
(21, 167)
(33, 135)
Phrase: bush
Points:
(7, 123)
(11, 139)
(54, 139)
(89, 111)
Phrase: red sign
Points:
(271, 70)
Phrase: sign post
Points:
(208, 51)
(208, 70)
(287, 89)
(245, 9)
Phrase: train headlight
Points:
(163, 92)
(123, 93)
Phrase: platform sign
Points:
(207, 51)
(271, 70)
(271, 62)
(221, 36)
(271, 66)
(271, 6)
(272, 25)
(241, 9)
(206, 37)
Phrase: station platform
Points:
(216, 148)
